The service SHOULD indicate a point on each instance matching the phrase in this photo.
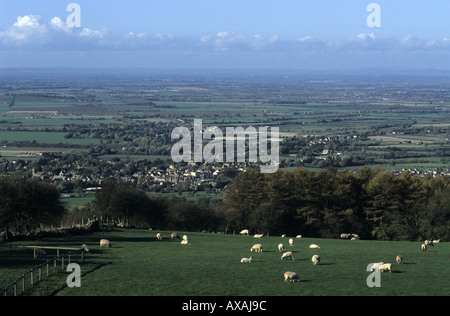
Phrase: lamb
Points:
(244, 232)
(386, 267)
(286, 255)
(315, 259)
(280, 247)
(258, 235)
(256, 248)
(313, 246)
(424, 247)
(105, 242)
(159, 236)
(399, 259)
(291, 276)
(247, 260)
(291, 241)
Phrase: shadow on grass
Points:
(55, 292)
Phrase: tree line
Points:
(372, 203)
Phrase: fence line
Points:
(29, 278)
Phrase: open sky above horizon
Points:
(257, 34)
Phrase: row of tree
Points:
(370, 202)
(373, 203)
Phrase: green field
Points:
(138, 264)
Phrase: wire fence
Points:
(40, 272)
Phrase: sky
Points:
(226, 34)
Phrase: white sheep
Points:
(315, 259)
(345, 236)
(284, 235)
(246, 260)
(376, 266)
(258, 235)
(256, 248)
(85, 248)
(105, 242)
(184, 242)
(244, 232)
(298, 236)
(159, 236)
(355, 237)
(291, 241)
(291, 276)
(288, 254)
(185, 237)
(313, 246)
(386, 267)
(423, 247)
(280, 247)
(429, 243)
(436, 241)
(399, 259)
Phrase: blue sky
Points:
(291, 34)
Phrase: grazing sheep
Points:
(258, 235)
(355, 237)
(386, 267)
(291, 241)
(423, 247)
(244, 232)
(85, 248)
(436, 241)
(429, 243)
(345, 236)
(399, 259)
(313, 246)
(159, 236)
(246, 260)
(376, 266)
(298, 236)
(291, 276)
(105, 242)
(288, 254)
(256, 248)
(280, 247)
(315, 259)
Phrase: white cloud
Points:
(30, 32)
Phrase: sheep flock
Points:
(301, 250)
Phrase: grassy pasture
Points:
(138, 264)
